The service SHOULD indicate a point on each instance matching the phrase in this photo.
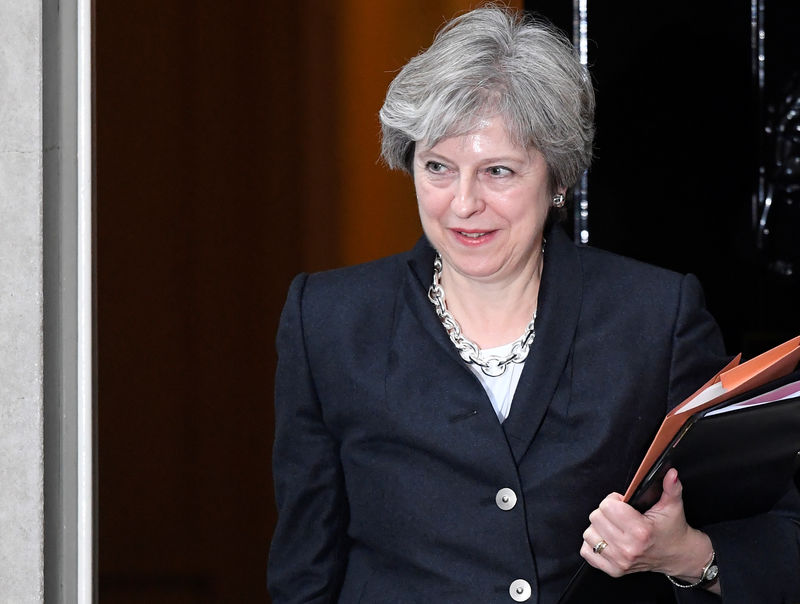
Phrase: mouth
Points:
(473, 236)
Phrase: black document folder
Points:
(735, 459)
(732, 464)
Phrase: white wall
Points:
(46, 392)
(21, 303)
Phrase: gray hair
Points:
(494, 61)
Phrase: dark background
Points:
(679, 143)
(237, 144)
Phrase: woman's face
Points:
(483, 201)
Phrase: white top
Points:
(500, 389)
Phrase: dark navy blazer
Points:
(388, 454)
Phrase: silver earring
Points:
(558, 200)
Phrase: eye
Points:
(435, 167)
(498, 171)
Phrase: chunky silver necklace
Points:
(492, 366)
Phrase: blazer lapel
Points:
(419, 279)
(556, 321)
(447, 364)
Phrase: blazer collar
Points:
(557, 315)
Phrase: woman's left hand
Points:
(659, 540)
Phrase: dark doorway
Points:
(680, 139)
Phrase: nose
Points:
(467, 198)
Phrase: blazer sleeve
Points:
(308, 552)
(758, 557)
(697, 348)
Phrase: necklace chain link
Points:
(493, 366)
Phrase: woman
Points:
(448, 418)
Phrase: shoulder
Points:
(349, 309)
(366, 278)
(627, 283)
(626, 273)
(368, 283)
(362, 293)
(626, 294)
(645, 318)
(597, 266)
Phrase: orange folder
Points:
(734, 379)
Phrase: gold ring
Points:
(600, 546)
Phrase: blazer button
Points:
(520, 590)
(505, 499)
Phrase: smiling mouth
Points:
(473, 235)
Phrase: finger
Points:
(672, 489)
(602, 526)
(618, 557)
(629, 534)
(600, 546)
(593, 539)
(599, 561)
(616, 518)
(670, 504)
